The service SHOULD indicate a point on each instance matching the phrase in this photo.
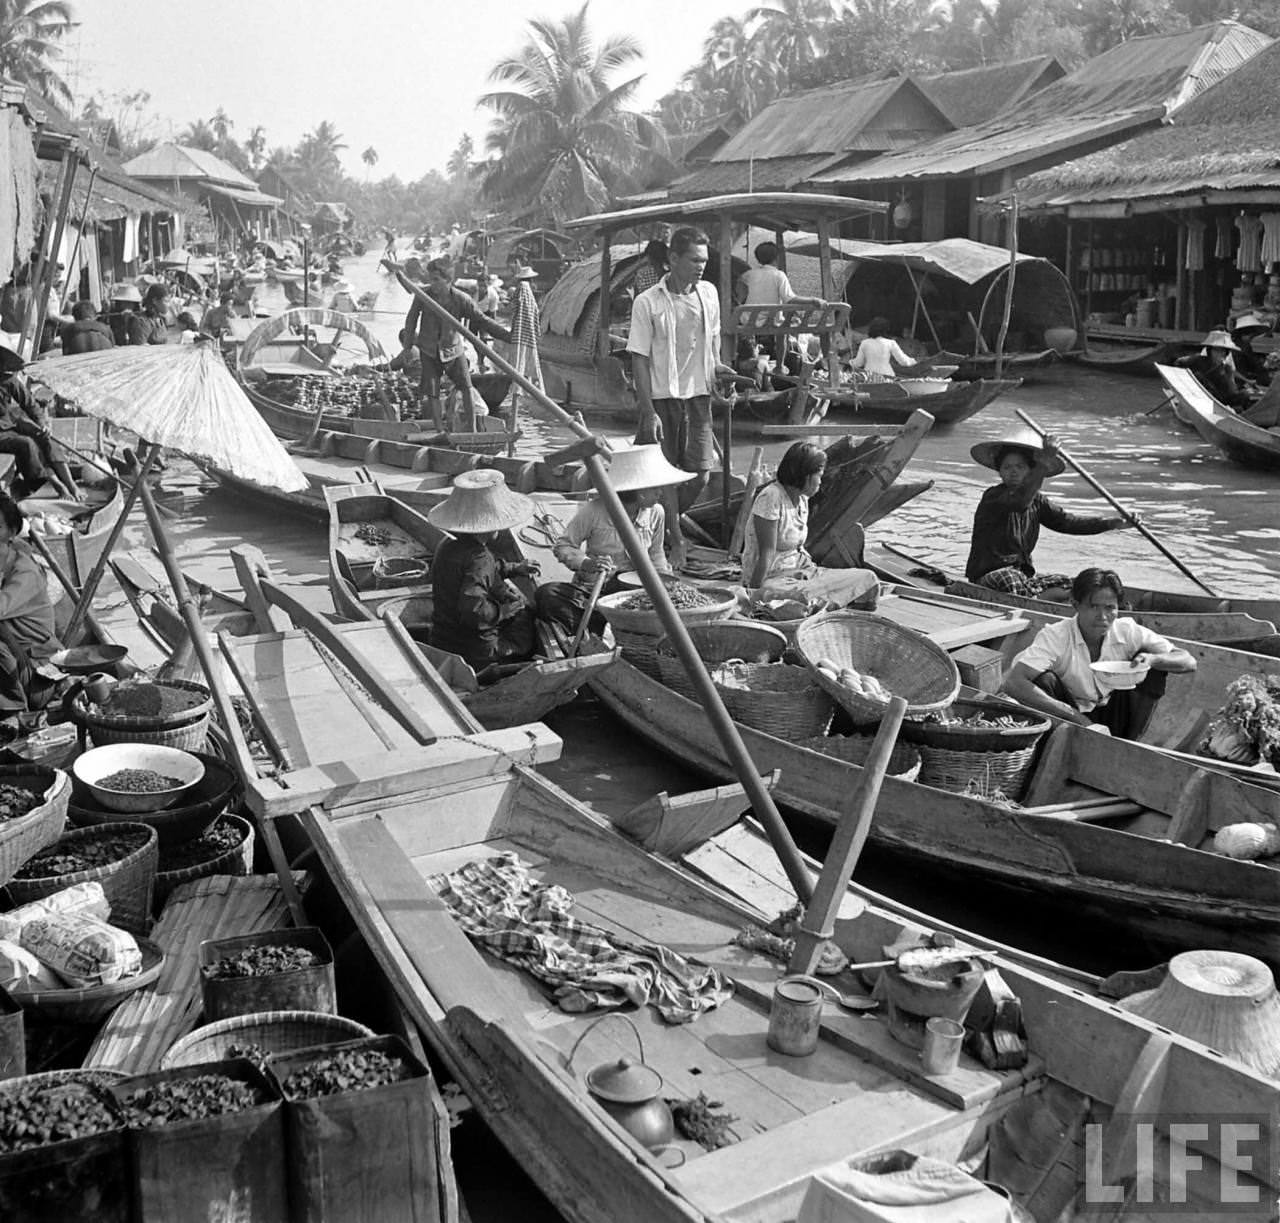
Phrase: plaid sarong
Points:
(526, 923)
(1012, 581)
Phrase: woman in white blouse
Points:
(878, 353)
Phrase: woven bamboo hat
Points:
(126, 293)
(480, 502)
(643, 467)
(1252, 321)
(1223, 999)
(1025, 439)
(1219, 339)
(10, 361)
(523, 272)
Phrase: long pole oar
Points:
(721, 723)
(1144, 531)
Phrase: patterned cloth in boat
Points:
(508, 912)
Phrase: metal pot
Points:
(631, 1093)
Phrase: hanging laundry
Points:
(1195, 246)
(1270, 250)
(129, 248)
(1249, 256)
(1223, 248)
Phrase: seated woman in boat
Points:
(591, 544)
(1053, 675)
(1214, 370)
(876, 355)
(1006, 525)
(774, 558)
(1250, 364)
(476, 612)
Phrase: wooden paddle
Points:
(1142, 530)
(596, 587)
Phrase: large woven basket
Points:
(779, 699)
(22, 838)
(904, 760)
(237, 860)
(1028, 729)
(637, 633)
(93, 1002)
(126, 882)
(905, 662)
(982, 773)
(185, 730)
(717, 643)
(270, 1031)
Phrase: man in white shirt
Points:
(675, 331)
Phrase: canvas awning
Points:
(774, 210)
(255, 199)
(958, 258)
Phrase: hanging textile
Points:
(24, 177)
(129, 249)
(1249, 256)
(1223, 248)
(1270, 252)
(1195, 246)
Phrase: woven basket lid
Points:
(1223, 999)
(480, 502)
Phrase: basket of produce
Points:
(774, 697)
(260, 1036)
(787, 615)
(33, 812)
(637, 628)
(217, 789)
(863, 660)
(225, 849)
(137, 777)
(977, 726)
(172, 713)
(904, 759)
(985, 773)
(121, 857)
(91, 1003)
(723, 641)
(1246, 729)
(270, 970)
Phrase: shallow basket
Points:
(272, 1031)
(637, 633)
(1032, 727)
(23, 838)
(907, 663)
(718, 643)
(904, 760)
(393, 572)
(779, 699)
(982, 772)
(237, 860)
(127, 883)
(92, 1002)
(186, 730)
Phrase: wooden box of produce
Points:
(273, 970)
(360, 1133)
(207, 1142)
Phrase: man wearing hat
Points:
(1250, 364)
(591, 544)
(1214, 370)
(476, 612)
(125, 300)
(1007, 522)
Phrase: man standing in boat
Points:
(675, 331)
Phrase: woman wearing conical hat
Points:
(476, 612)
(1215, 370)
(1006, 525)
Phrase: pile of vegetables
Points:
(855, 681)
(1246, 729)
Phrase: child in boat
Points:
(1006, 525)
(476, 612)
(1053, 674)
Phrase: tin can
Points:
(795, 1019)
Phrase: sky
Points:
(400, 76)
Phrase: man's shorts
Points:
(687, 440)
(433, 369)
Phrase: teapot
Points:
(630, 1092)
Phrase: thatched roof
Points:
(972, 95)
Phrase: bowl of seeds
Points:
(133, 777)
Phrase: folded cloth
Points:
(509, 913)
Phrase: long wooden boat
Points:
(889, 404)
(1238, 623)
(1139, 359)
(1240, 441)
(1023, 365)
(387, 825)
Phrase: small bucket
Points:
(795, 1019)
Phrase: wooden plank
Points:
(671, 826)
(830, 429)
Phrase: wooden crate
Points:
(980, 667)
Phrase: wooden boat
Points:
(888, 403)
(1139, 359)
(1022, 365)
(369, 533)
(385, 821)
(1238, 623)
(1240, 441)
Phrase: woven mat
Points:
(137, 1033)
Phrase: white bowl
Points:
(99, 762)
(1119, 674)
(916, 387)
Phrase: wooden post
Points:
(606, 275)
(1008, 290)
(1088, 280)
(1183, 318)
(728, 329)
(41, 276)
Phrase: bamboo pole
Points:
(723, 726)
(1008, 292)
(75, 250)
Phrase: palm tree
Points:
(256, 146)
(563, 137)
(459, 164)
(370, 157)
(30, 31)
(222, 123)
(792, 34)
(199, 135)
(735, 65)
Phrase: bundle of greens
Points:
(1247, 728)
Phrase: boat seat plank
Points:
(950, 627)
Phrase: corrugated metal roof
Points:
(170, 161)
(973, 95)
(825, 120)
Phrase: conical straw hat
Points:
(1026, 439)
(643, 467)
(1223, 999)
(480, 502)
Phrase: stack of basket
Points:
(637, 631)
(183, 728)
(986, 760)
(717, 643)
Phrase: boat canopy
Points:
(301, 318)
(775, 210)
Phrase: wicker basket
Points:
(93, 1002)
(720, 642)
(778, 699)
(907, 663)
(637, 633)
(238, 860)
(904, 760)
(186, 730)
(127, 882)
(272, 1031)
(393, 572)
(983, 772)
(1030, 729)
(23, 838)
